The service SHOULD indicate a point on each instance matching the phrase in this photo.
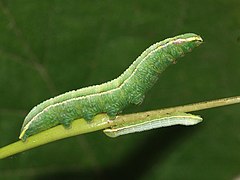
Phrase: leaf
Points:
(50, 47)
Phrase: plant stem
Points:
(102, 121)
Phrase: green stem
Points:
(102, 121)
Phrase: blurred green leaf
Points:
(49, 47)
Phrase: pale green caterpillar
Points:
(166, 120)
(111, 97)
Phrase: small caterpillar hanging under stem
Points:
(177, 118)
(113, 96)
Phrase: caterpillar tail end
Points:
(23, 135)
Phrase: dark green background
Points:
(49, 47)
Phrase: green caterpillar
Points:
(111, 97)
(176, 118)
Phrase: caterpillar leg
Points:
(113, 112)
(112, 115)
(66, 123)
(88, 116)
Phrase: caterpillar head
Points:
(182, 44)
